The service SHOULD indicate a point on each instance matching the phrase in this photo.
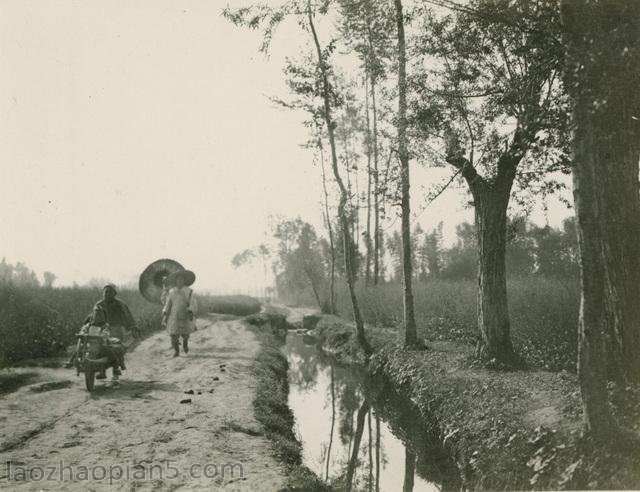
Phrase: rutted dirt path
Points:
(141, 422)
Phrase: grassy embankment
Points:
(544, 314)
(271, 405)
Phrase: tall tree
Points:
(366, 27)
(602, 47)
(347, 131)
(303, 84)
(329, 226)
(24, 276)
(342, 206)
(409, 469)
(378, 449)
(264, 15)
(410, 330)
(368, 241)
(373, 76)
(492, 98)
(300, 258)
(49, 279)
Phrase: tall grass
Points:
(38, 322)
(544, 314)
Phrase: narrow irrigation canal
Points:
(359, 430)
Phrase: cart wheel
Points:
(89, 378)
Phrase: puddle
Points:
(353, 428)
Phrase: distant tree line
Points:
(530, 250)
(301, 260)
(21, 275)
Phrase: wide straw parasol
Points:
(150, 283)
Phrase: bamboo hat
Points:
(188, 276)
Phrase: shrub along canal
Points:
(357, 429)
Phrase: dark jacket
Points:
(116, 313)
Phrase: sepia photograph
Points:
(319, 245)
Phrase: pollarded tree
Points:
(491, 95)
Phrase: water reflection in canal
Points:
(355, 431)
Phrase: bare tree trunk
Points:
(356, 211)
(353, 459)
(376, 195)
(410, 332)
(370, 444)
(377, 453)
(592, 331)
(409, 469)
(376, 184)
(332, 277)
(602, 44)
(342, 212)
(347, 167)
(491, 199)
(354, 197)
(351, 414)
(493, 309)
(368, 233)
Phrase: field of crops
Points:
(40, 322)
(544, 314)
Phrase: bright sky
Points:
(132, 131)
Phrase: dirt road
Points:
(140, 428)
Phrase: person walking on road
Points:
(180, 308)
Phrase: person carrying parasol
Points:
(180, 309)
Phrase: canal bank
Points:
(504, 430)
